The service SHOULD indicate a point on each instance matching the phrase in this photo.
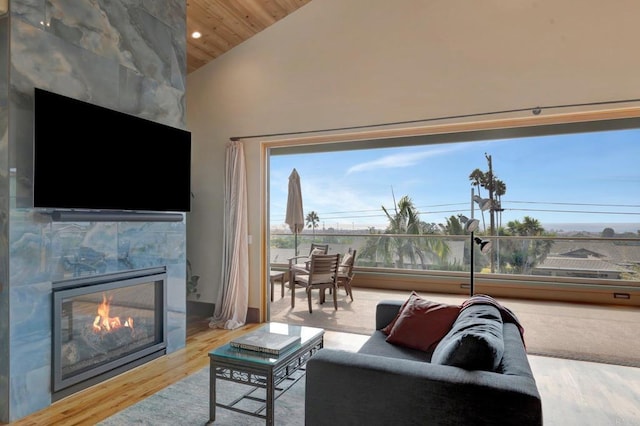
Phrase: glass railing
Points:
(570, 258)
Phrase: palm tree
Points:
(312, 221)
(496, 189)
(479, 179)
(500, 189)
(524, 254)
(529, 227)
(393, 247)
(453, 226)
(495, 186)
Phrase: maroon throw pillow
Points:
(389, 326)
(422, 324)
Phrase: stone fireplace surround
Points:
(80, 250)
(135, 63)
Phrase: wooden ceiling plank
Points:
(210, 43)
(198, 52)
(220, 35)
(226, 23)
(230, 17)
(291, 5)
(268, 12)
(206, 18)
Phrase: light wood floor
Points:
(94, 404)
(573, 392)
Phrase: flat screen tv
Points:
(87, 157)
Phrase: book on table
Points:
(265, 342)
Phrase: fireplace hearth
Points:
(104, 325)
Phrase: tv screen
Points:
(88, 157)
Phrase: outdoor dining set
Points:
(317, 270)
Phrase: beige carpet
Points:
(606, 334)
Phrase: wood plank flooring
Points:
(573, 392)
(580, 393)
(94, 404)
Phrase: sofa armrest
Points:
(347, 388)
(386, 311)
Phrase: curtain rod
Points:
(535, 111)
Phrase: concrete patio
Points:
(596, 333)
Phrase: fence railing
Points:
(589, 258)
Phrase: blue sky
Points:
(580, 178)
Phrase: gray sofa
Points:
(387, 384)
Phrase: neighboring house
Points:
(589, 267)
(589, 259)
(620, 252)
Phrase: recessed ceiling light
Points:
(196, 34)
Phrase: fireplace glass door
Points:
(107, 324)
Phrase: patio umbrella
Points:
(295, 214)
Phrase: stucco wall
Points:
(336, 63)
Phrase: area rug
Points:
(186, 403)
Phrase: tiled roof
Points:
(613, 252)
(572, 263)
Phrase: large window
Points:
(556, 201)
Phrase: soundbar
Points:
(113, 216)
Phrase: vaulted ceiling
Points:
(224, 24)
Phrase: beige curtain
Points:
(233, 296)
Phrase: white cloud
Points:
(337, 201)
(399, 160)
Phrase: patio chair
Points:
(322, 275)
(345, 274)
(302, 261)
(345, 271)
(300, 264)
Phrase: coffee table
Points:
(257, 371)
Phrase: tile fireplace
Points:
(106, 324)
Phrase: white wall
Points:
(337, 63)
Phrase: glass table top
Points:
(306, 334)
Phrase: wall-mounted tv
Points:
(88, 157)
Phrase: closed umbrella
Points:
(295, 214)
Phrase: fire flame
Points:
(104, 322)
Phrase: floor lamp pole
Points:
(471, 242)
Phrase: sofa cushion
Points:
(386, 330)
(475, 341)
(317, 251)
(422, 323)
(377, 345)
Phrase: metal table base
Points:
(274, 375)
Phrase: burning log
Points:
(104, 322)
